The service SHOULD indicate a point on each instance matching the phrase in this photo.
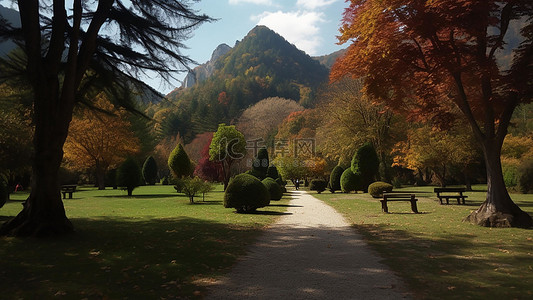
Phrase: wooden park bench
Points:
(388, 197)
(447, 193)
(68, 189)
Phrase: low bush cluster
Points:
(377, 188)
(318, 185)
(246, 194)
(349, 181)
(274, 189)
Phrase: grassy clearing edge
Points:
(438, 255)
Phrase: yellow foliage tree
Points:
(99, 141)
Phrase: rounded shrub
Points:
(129, 175)
(274, 189)
(149, 170)
(525, 179)
(318, 185)
(349, 181)
(257, 174)
(335, 179)
(377, 188)
(246, 193)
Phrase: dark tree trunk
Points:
(498, 210)
(43, 213)
(100, 176)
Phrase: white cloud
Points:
(314, 4)
(258, 2)
(299, 28)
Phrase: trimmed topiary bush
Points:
(149, 171)
(129, 175)
(365, 163)
(246, 193)
(349, 181)
(377, 188)
(179, 162)
(261, 163)
(257, 174)
(274, 189)
(335, 179)
(272, 172)
(318, 185)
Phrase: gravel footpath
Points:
(310, 253)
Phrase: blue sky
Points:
(311, 25)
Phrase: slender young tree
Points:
(69, 56)
(427, 58)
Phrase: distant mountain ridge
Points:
(204, 71)
(262, 65)
(11, 16)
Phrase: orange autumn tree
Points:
(425, 58)
(99, 141)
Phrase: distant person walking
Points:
(18, 187)
(297, 184)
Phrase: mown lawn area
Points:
(153, 245)
(438, 255)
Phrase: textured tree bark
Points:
(498, 210)
(43, 213)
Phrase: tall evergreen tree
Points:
(69, 56)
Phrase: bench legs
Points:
(65, 195)
(385, 208)
(413, 206)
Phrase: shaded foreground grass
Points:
(152, 245)
(438, 255)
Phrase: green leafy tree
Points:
(69, 57)
(227, 146)
(129, 175)
(193, 186)
(150, 170)
(179, 162)
(365, 163)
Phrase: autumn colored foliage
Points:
(437, 60)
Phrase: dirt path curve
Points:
(310, 253)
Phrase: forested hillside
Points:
(262, 65)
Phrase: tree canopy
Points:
(69, 58)
(429, 59)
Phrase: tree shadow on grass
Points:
(144, 196)
(122, 258)
(453, 266)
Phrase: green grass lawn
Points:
(438, 255)
(149, 246)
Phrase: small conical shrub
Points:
(335, 179)
(129, 175)
(149, 171)
(261, 163)
(179, 162)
